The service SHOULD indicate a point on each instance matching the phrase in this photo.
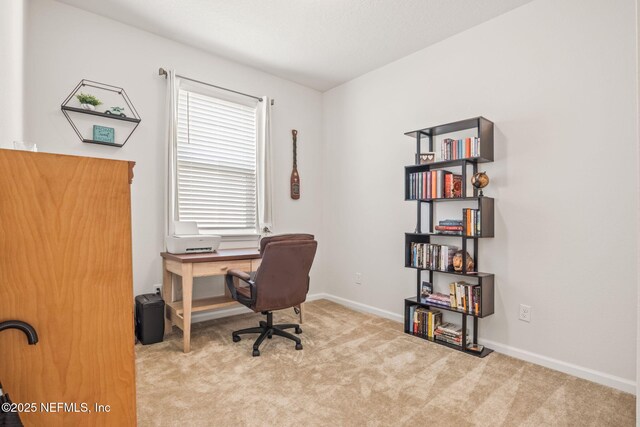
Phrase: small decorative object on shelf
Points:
(25, 146)
(88, 102)
(432, 182)
(425, 158)
(426, 289)
(457, 262)
(88, 123)
(116, 111)
(480, 180)
(103, 134)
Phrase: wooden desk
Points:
(189, 266)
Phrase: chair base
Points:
(268, 330)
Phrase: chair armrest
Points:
(240, 275)
(232, 286)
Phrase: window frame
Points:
(220, 95)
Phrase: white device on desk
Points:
(188, 240)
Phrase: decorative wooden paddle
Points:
(295, 178)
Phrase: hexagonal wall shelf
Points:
(111, 122)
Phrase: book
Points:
(476, 299)
(456, 189)
(438, 299)
(424, 186)
(448, 184)
(452, 295)
(476, 348)
(449, 227)
(434, 184)
(450, 222)
(411, 320)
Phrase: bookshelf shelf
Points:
(447, 235)
(419, 245)
(485, 352)
(445, 163)
(450, 199)
(471, 274)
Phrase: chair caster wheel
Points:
(298, 346)
(255, 353)
(270, 336)
(298, 331)
(236, 338)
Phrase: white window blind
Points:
(216, 164)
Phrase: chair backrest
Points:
(282, 281)
(280, 237)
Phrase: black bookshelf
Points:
(426, 138)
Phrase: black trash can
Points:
(149, 318)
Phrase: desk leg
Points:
(167, 295)
(187, 295)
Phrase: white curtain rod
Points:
(163, 72)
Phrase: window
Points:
(216, 164)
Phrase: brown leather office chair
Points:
(282, 281)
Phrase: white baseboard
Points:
(608, 380)
(603, 378)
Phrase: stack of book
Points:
(450, 226)
(425, 321)
(471, 219)
(437, 298)
(453, 149)
(466, 297)
(431, 256)
(434, 185)
(450, 333)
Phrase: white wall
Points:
(558, 80)
(12, 63)
(65, 45)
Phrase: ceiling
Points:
(317, 43)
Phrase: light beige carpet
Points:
(355, 370)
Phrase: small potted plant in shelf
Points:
(88, 102)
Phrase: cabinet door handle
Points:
(224, 268)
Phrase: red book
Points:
(467, 147)
(448, 184)
(456, 187)
(449, 227)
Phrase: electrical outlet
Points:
(358, 278)
(525, 313)
(157, 289)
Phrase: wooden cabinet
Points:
(65, 268)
